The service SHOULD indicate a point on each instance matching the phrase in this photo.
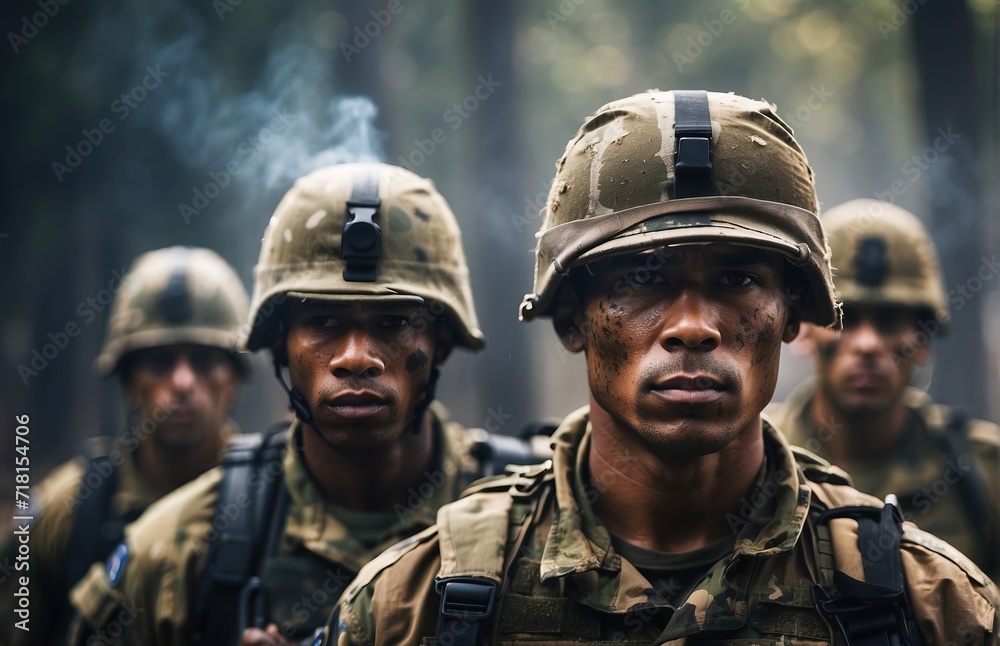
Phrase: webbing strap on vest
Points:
(91, 546)
(472, 571)
(693, 130)
(875, 611)
(247, 496)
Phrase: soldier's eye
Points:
(736, 278)
(203, 362)
(890, 322)
(394, 321)
(160, 362)
(641, 277)
(324, 322)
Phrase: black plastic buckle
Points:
(859, 621)
(360, 244)
(466, 597)
(694, 156)
(693, 167)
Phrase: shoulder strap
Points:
(972, 487)
(97, 487)
(864, 597)
(475, 553)
(231, 590)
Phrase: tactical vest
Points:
(860, 596)
(232, 594)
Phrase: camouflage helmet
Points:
(662, 168)
(883, 255)
(175, 295)
(415, 253)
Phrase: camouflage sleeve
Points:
(351, 623)
(33, 606)
(144, 593)
(105, 614)
(953, 601)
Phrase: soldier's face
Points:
(866, 367)
(682, 344)
(362, 370)
(187, 390)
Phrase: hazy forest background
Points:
(889, 98)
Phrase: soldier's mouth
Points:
(865, 380)
(356, 404)
(689, 389)
(181, 415)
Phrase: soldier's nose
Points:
(356, 355)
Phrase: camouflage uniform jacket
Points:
(153, 597)
(567, 585)
(921, 471)
(54, 509)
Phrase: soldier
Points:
(679, 247)
(859, 411)
(171, 339)
(361, 292)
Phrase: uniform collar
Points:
(313, 523)
(579, 549)
(796, 422)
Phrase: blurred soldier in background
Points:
(680, 246)
(859, 410)
(171, 339)
(361, 292)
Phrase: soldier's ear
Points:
(795, 291)
(568, 318)
(792, 325)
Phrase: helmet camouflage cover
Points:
(171, 296)
(616, 191)
(418, 249)
(883, 255)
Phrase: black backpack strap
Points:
(245, 514)
(98, 486)
(875, 611)
(972, 486)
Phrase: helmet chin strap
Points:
(421, 409)
(299, 405)
(301, 408)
